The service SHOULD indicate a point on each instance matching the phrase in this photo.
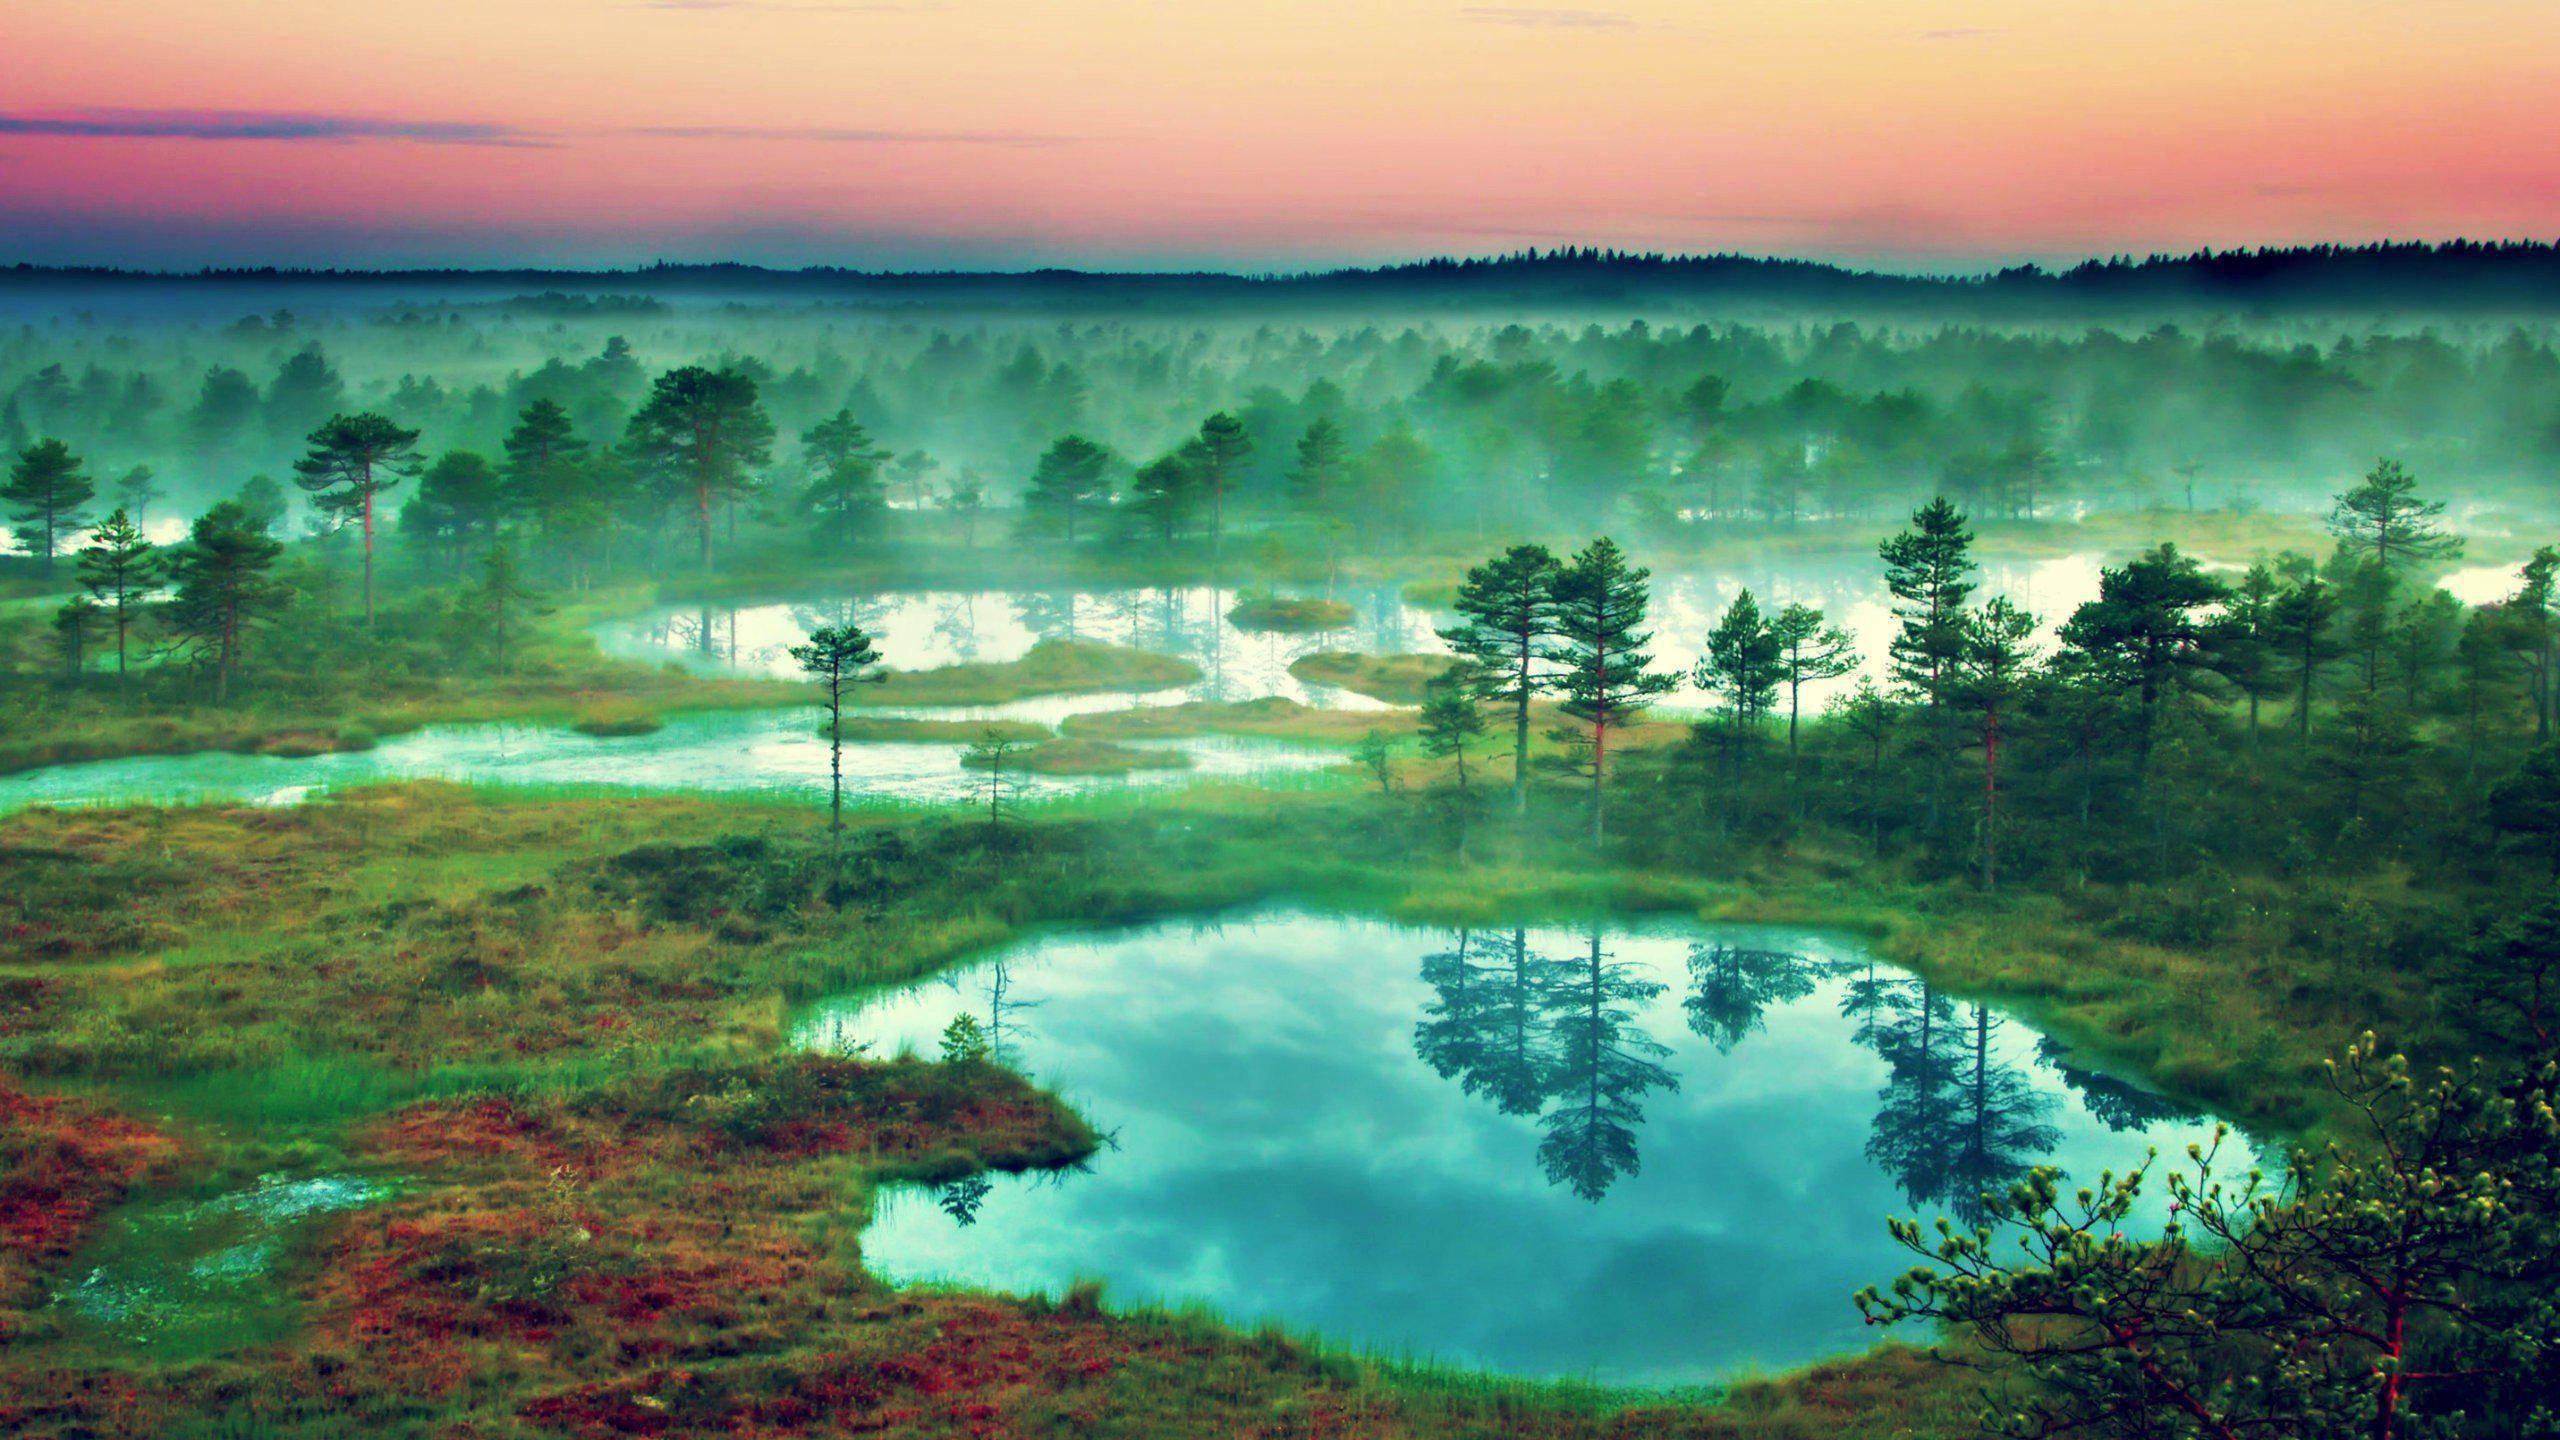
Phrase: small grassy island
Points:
(1289, 617)
(1396, 679)
(1052, 667)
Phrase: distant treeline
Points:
(2458, 275)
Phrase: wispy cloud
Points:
(1548, 19)
(117, 123)
(838, 136)
(1960, 32)
(109, 123)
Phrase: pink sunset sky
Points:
(1141, 133)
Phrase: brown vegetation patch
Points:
(62, 1163)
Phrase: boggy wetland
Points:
(635, 861)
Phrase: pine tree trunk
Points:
(1991, 800)
(1520, 743)
(835, 756)
(1599, 786)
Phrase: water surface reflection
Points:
(1669, 1150)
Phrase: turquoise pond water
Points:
(1646, 1155)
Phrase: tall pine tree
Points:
(1603, 671)
(1506, 620)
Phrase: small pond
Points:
(1641, 1154)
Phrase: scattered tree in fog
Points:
(119, 569)
(47, 493)
(845, 491)
(2385, 518)
(1603, 669)
(703, 434)
(1070, 484)
(226, 588)
(1507, 618)
(353, 461)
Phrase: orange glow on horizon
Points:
(1138, 131)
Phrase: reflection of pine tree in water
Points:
(1164, 620)
(701, 633)
(1217, 630)
(961, 1198)
(1002, 1002)
(1863, 999)
(1487, 1029)
(1048, 614)
(1914, 1030)
(1600, 1067)
(2117, 1104)
(1451, 1036)
(2000, 1127)
(1385, 630)
(1953, 1123)
(955, 624)
(1729, 987)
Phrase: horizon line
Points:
(1989, 269)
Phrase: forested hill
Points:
(2457, 276)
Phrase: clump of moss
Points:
(1396, 679)
(1052, 667)
(301, 744)
(1270, 612)
(614, 716)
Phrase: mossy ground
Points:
(627, 1210)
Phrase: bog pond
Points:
(921, 629)
(782, 751)
(1642, 1154)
